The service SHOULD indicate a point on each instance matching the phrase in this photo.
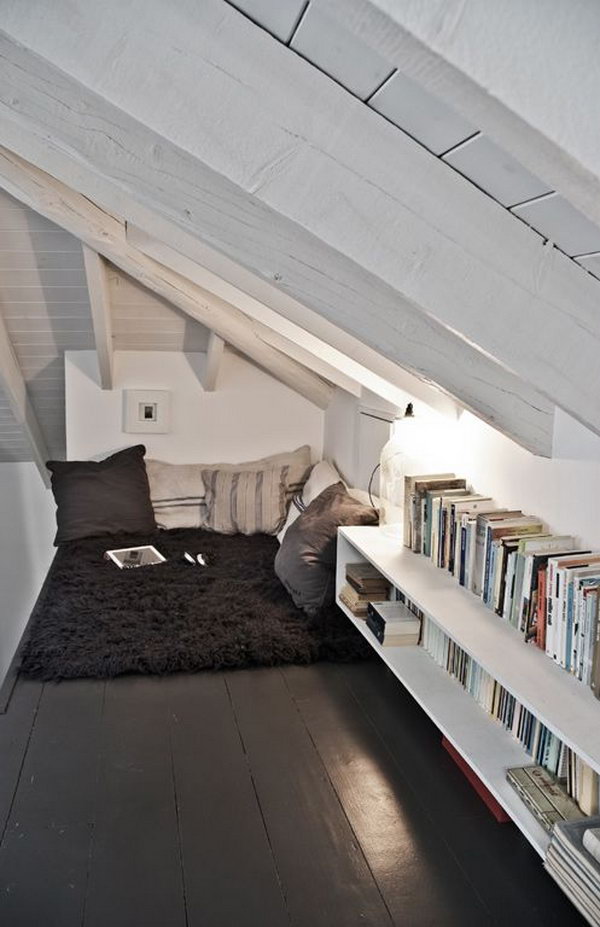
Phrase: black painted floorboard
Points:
(303, 796)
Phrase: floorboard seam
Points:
(258, 802)
(424, 807)
(22, 764)
(178, 820)
(338, 797)
(88, 870)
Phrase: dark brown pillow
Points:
(109, 496)
(305, 562)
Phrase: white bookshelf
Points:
(561, 702)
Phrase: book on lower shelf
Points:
(574, 868)
(363, 584)
(544, 795)
(393, 624)
(579, 781)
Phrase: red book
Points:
(540, 635)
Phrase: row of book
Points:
(573, 861)
(579, 780)
(543, 584)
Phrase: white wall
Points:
(564, 491)
(28, 528)
(248, 415)
(340, 434)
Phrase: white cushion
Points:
(322, 475)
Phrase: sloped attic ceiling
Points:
(288, 174)
(45, 306)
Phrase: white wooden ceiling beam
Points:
(97, 283)
(415, 262)
(522, 77)
(214, 356)
(284, 335)
(428, 363)
(15, 390)
(106, 235)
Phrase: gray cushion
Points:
(247, 502)
(109, 496)
(305, 562)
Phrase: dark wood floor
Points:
(307, 796)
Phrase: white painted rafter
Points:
(406, 261)
(97, 283)
(524, 78)
(276, 330)
(106, 235)
(15, 390)
(214, 356)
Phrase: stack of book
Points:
(572, 862)
(539, 582)
(578, 779)
(544, 795)
(393, 624)
(364, 584)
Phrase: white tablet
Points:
(128, 557)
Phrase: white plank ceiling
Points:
(43, 294)
(330, 46)
(45, 305)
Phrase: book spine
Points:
(595, 667)
(408, 511)
(374, 628)
(416, 523)
(487, 553)
(479, 562)
(463, 554)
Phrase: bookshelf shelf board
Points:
(561, 702)
(485, 745)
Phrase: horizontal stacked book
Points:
(542, 584)
(578, 780)
(393, 624)
(544, 795)
(573, 861)
(364, 584)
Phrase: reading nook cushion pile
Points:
(97, 620)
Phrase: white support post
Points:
(214, 355)
(97, 282)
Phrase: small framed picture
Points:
(127, 558)
(146, 411)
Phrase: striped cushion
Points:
(247, 502)
(177, 494)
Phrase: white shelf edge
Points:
(548, 676)
(481, 726)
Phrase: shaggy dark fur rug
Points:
(95, 620)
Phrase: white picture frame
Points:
(146, 411)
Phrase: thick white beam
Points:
(214, 356)
(15, 390)
(97, 282)
(284, 335)
(106, 235)
(365, 244)
(523, 73)
(360, 305)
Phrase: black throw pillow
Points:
(305, 562)
(109, 496)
